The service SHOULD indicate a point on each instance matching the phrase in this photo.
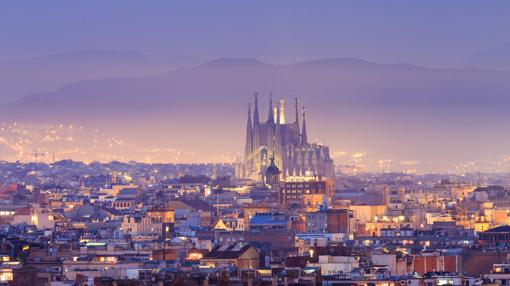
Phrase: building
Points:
(305, 192)
(434, 261)
(302, 191)
(141, 225)
(495, 236)
(161, 214)
(500, 274)
(241, 255)
(284, 141)
(332, 264)
(269, 221)
(229, 223)
(272, 176)
(329, 221)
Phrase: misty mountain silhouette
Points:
(388, 109)
(47, 73)
(493, 59)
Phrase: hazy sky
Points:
(390, 112)
(434, 33)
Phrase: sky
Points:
(433, 33)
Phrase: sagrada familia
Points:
(284, 142)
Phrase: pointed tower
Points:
(270, 127)
(296, 122)
(270, 112)
(249, 134)
(304, 137)
(278, 113)
(256, 120)
(297, 115)
(256, 125)
(282, 111)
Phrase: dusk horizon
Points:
(254, 143)
(395, 82)
(348, 148)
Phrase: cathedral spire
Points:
(304, 138)
(297, 115)
(278, 113)
(249, 133)
(256, 120)
(282, 111)
(270, 113)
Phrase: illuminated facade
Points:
(285, 141)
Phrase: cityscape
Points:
(257, 143)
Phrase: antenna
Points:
(36, 154)
(217, 205)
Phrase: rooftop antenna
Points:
(36, 154)
(217, 205)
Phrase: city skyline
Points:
(392, 87)
(254, 143)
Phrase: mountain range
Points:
(47, 73)
(492, 59)
(395, 115)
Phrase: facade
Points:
(495, 236)
(500, 274)
(161, 214)
(240, 255)
(433, 262)
(297, 192)
(229, 224)
(329, 221)
(284, 141)
(143, 225)
(269, 221)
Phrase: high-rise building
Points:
(284, 141)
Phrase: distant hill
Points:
(494, 59)
(47, 73)
(226, 83)
(398, 112)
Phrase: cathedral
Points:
(284, 143)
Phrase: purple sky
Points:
(426, 119)
(433, 33)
